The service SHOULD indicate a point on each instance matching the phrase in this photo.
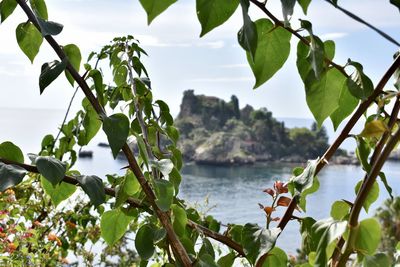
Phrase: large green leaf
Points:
(29, 39)
(114, 224)
(50, 72)
(368, 236)
(74, 57)
(128, 187)
(339, 210)
(212, 13)
(51, 168)
(7, 7)
(40, 8)
(247, 35)
(347, 104)
(144, 242)
(165, 193)
(10, 175)
(273, 48)
(58, 193)
(11, 152)
(49, 27)
(323, 96)
(116, 128)
(277, 258)
(155, 7)
(258, 241)
(372, 195)
(328, 231)
(93, 187)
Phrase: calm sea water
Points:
(232, 193)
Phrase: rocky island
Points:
(217, 132)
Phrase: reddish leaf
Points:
(281, 187)
(270, 191)
(268, 210)
(276, 219)
(284, 201)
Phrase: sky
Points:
(180, 60)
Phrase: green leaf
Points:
(50, 72)
(227, 260)
(116, 128)
(165, 193)
(212, 13)
(143, 242)
(93, 187)
(58, 193)
(273, 48)
(142, 149)
(372, 195)
(49, 27)
(339, 210)
(51, 168)
(368, 236)
(287, 10)
(386, 184)
(131, 184)
(377, 260)
(120, 75)
(374, 129)
(179, 220)
(206, 260)
(328, 230)
(91, 123)
(207, 249)
(74, 57)
(40, 8)
(277, 258)
(359, 84)
(305, 182)
(323, 96)
(165, 166)
(347, 104)
(362, 152)
(247, 35)
(155, 7)
(113, 225)
(11, 152)
(172, 133)
(309, 240)
(10, 175)
(29, 39)
(304, 5)
(258, 241)
(98, 84)
(7, 7)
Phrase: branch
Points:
(360, 20)
(164, 218)
(138, 204)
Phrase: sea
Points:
(230, 194)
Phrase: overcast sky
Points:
(180, 60)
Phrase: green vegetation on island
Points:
(214, 131)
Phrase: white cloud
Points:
(233, 66)
(333, 35)
(222, 79)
